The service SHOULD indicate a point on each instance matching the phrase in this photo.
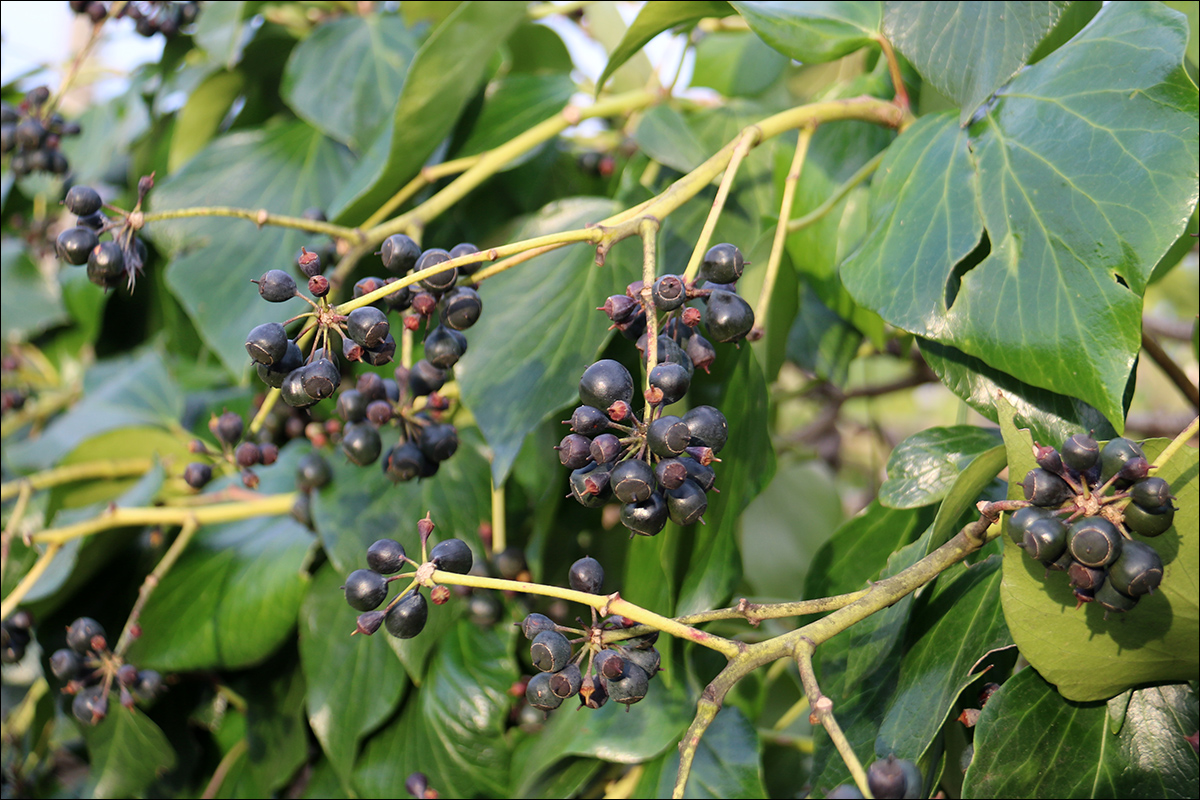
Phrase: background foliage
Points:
(989, 275)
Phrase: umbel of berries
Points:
(89, 670)
(657, 466)
(405, 616)
(1087, 505)
(606, 666)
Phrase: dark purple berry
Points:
(276, 286)
(586, 575)
(365, 589)
(722, 263)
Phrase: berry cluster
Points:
(615, 670)
(405, 616)
(1085, 502)
(228, 429)
(90, 670)
(32, 133)
(366, 336)
(151, 17)
(15, 637)
(659, 465)
(109, 262)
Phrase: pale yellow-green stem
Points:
(648, 230)
(10, 603)
(818, 213)
(1176, 443)
(260, 217)
(85, 471)
(741, 147)
(271, 505)
(499, 520)
(186, 532)
(424, 178)
(781, 229)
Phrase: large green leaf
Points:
(747, 466)
(30, 304)
(453, 729)
(1012, 242)
(109, 131)
(813, 32)
(344, 79)
(923, 467)
(1052, 417)
(736, 64)
(608, 733)
(285, 169)
(959, 625)
(233, 596)
(1085, 655)
(361, 504)
(121, 393)
(274, 729)
(1030, 742)
(820, 341)
(969, 50)
(653, 19)
(663, 134)
(128, 753)
(727, 762)
(515, 104)
(442, 78)
(541, 330)
(354, 683)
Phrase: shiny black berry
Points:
(632, 481)
(1113, 599)
(197, 475)
(461, 308)
(687, 503)
(361, 443)
(605, 448)
(74, 245)
(365, 589)
(550, 651)
(631, 687)
(106, 264)
(1044, 488)
(444, 346)
(267, 344)
(439, 442)
(83, 200)
(452, 555)
(1045, 539)
(586, 575)
(1148, 523)
(722, 263)
(313, 472)
(1152, 494)
(1020, 521)
(66, 664)
(669, 293)
(405, 462)
(540, 694)
(588, 421)
(672, 379)
(708, 427)
(276, 286)
(368, 326)
(646, 518)
(407, 618)
(1080, 452)
(1138, 571)
(386, 556)
(321, 378)
(668, 436)
(399, 253)
(81, 634)
(604, 383)
(440, 281)
(894, 778)
(424, 378)
(1094, 541)
(534, 624)
(727, 317)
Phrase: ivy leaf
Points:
(969, 50)
(361, 505)
(541, 330)
(813, 33)
(961, 253)
(353, 683)
(736, 64)
(961, 623)
(232, 597)
(442, 78)
(664, 135)
(606, 733)
(453, 729)
(1085, 655)
(29, 304)
(727, 762)
(514, 104)
(344, 79)
(653, 19)
(1026, 722)
(923, 467)
(128, 753)
(286, 169)
(1052, 417)
(120, 393)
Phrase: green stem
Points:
(499, 520)
(89, 470)
(822, 712)
(10, 603)
(271, 505)
(781, 231)
(605, 604)
(648, 230)
(259, 217)
(818, 213)
(742, 145)
(1176, 443)
(154, 579)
